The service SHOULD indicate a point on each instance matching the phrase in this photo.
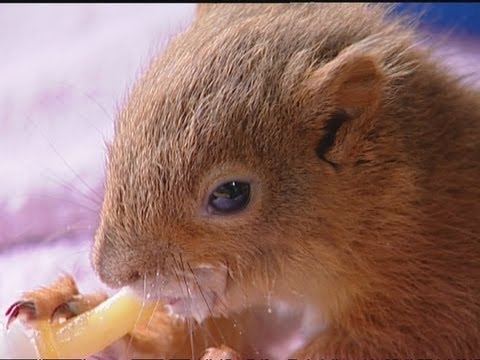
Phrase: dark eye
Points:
(229, 197)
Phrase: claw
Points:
(40, 305)
(26, 308)
(14, 314)
(62, 312)
(10, 309)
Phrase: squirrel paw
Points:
(57, 302)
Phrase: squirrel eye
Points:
(229, 198)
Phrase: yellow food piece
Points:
(94, 330)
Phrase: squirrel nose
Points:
(114, 271)
(116, 278)
(112, 262)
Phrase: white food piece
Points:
(17, 342)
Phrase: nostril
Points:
(117, 278)
(134, 276)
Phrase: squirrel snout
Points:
(114, 271)
(112, 262)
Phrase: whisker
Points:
(42, 238)
(73, 189)
(78, 91)
(157, 300)
(187, 299)
(204, 331)
(77, 176)
(130, 340)
(99, 106)
(189, 304)
(57, 198)
(201, 325)
(206, 303)
(246, 299)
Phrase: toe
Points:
(24, 310)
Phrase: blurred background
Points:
(64, 71)
(461, 18)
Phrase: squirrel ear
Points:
(348, 89)
(351, 83)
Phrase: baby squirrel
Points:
(302, 180)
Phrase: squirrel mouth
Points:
(191, 307)
(194, 297)
(172, 301)
(196, 305)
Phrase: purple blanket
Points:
(64, 71)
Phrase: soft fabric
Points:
(65, 70)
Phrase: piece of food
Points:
(92, 331)
(17, 342)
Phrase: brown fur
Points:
(385, 242)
